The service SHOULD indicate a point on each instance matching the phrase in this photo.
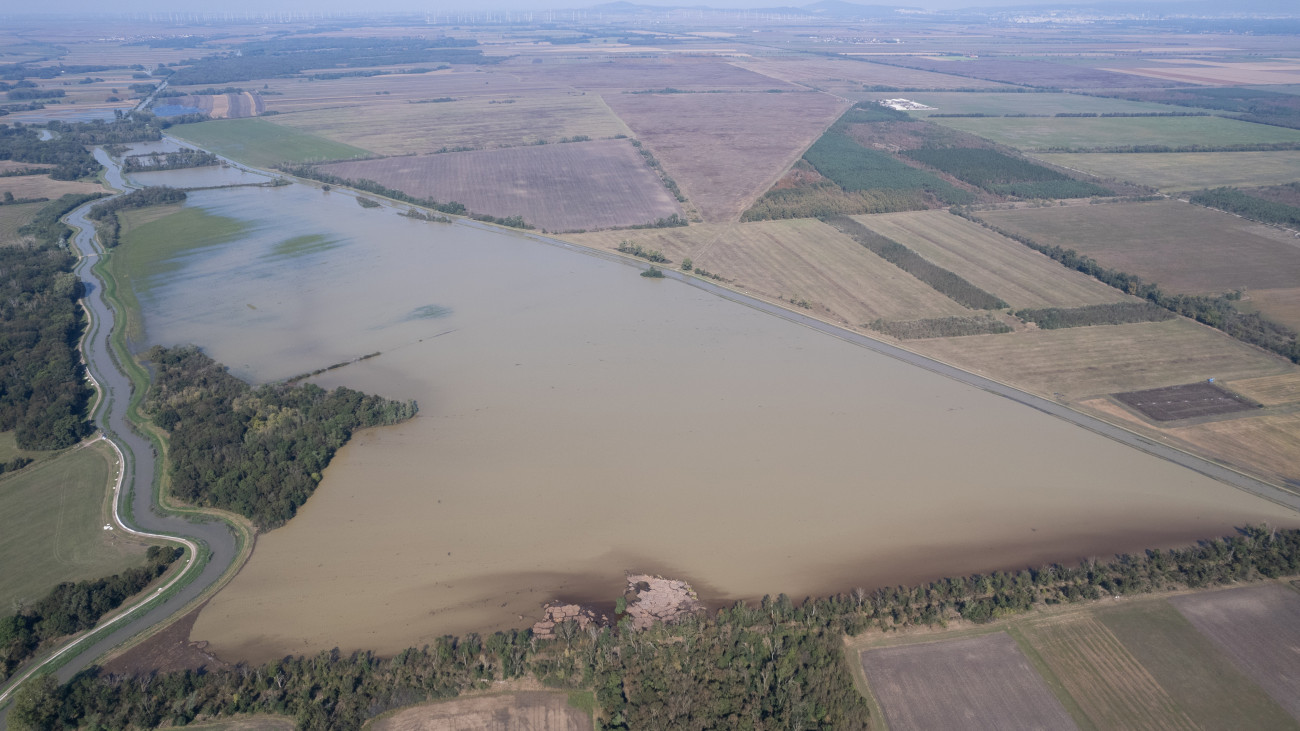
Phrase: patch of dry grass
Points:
(1270, 390)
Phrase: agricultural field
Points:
(993, 103)
(725, 150)
(542, 710)
(1066, 134)
(1270, 390)
(982, 682)
(13, 218)
(43, 186)
(1279, 305)
(1080, 362)
(642, 74)
(1188, 401)
(1259, 628)
(1219, 73)
(1181, 247)
(298, 94)
(476, 123)
(220, 106)
(849, 76)
(1185, 171)
(52, 517)
(801, 260)
(1031, 72)
(566, 187)
(259, 143)
(260, 722)
(1110, 685)
(1267, 444)
(996, 264)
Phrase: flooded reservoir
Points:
(578, 421)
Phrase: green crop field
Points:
(1182, 171)
(1100, 133)
(52, 518)
(151, 237)
(1200, 678)
(948, 102)
(260, 143)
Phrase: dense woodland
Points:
(1235, 201)
(777, 665)
(1219, 312)
(104, 214)
(946, 282)
(66, 158)
(43, 394)
(1004, 174)
(258, 452)
(289, 56)
(183, 158)
(71, 608)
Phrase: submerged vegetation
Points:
(257, 452)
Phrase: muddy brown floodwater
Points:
(578, 421)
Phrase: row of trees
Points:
(1117, 313)
(1259, 209)
(940, 327)
(105, 214)
(1004, 174)
(43, 394)
(257, 452)
(183, 158)
(1219, 312)
(946, 282)
(775, 665)
(70, 608)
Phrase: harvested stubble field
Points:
(1032, 73)
(1080, 362)
(1020, 276)
(1110, 685)
(1259, 628)
(1279, 305)
(1019, 103)
(297, 95)
(982, 682)
(1267, 444)
(795, 259)
(540, 710)
(849, 76)
(43, 186)
(52, 517)
(581, 185)
(1188, 401)
(725, 150)
(1270, 390)
(1184, 171)
(476, 122)
(1101, 133)
(259, 143)
(1181, 247)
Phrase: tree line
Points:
(1117, 313)
(259, 452)
(774, 665)
(43, 394)
(70, 608)
(104, 214)
(945, 282)
(1217, 311)
(940, 327)
(1259, 209)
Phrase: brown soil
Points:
(167, 651)
(1185, 402)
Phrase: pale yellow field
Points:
(800, 259)
(1109, 684)
(475, 122)
(42, 186)
(1270, 390)
(1020, 276)
(1080, 362)
(1269, 443)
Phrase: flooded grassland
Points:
(578, 421)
